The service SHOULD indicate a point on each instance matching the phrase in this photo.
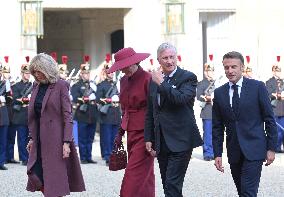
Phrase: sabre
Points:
(282, 128)
(77, 74)
(71, 74)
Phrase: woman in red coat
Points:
(53, 166)
(139, 179)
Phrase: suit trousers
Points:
(173, 166)
(246, 175)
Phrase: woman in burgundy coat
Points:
(53, 166)
(139, 179)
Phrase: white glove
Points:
(2, 99)
(29, 96)
(115, 98)
(93, 86)
(92, 97)
(71, 97)
(8, 86)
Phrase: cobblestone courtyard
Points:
(202, 179)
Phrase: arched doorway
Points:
(117, 40)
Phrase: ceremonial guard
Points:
(84, 97)
(275, 88)
(19, 121)
(63, 68)
(247, 72)
(109, 111)
(5, 95)
(204, 93)
(63, 71)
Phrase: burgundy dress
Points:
(139, 179)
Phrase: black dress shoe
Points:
(24, 163)
(84, 161)
(3, 168)
(12, 161)
(92, 161)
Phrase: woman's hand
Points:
(29, 146)
(66, 150)
(118, 137)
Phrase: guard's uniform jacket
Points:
(272, 86)
(206, 111)
(113, 115)
(20, 109)
(4, 115)
(87, 114)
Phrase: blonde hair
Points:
(45, 64)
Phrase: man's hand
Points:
(66, 150)
(270, 156)
(150, 149)
(157, 77)
(278, 96)
(208, 98)
(29, 146)
(218, 164)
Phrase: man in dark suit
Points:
(241, 107)
(171, 132)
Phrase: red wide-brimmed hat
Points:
(126, 57)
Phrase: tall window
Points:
(174, 18)
(31, 17)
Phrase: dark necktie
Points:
(162, 97)
(167, 78)
(235, 99)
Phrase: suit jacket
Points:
(61, 176)
(271, 86)
(244, 132)
(174, 117)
